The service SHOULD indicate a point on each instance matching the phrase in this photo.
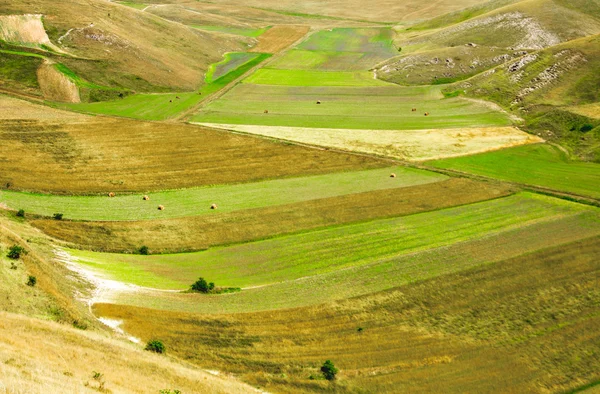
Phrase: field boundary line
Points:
(184, 117)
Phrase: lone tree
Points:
(329, 370)
(202, 286)
(144, 250)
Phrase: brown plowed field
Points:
(278, 38)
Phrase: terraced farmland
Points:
(229, 198)
(204, 231)
(490, 328)
(288, 258)
(539, 165)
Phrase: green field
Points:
(382, 107)
(539, 165)
(268, 76)
(230, 62)
(336, 249)
(238, 31)
(340, 50)
(162, 106)
(197, 201)
(138, 6)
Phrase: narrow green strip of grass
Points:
(197, 201)
(238, 31)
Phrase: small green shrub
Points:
(329, 370)
(15, 252)
(155, 346)
(21, 213)
(586, 127)
(169, 391)
(202, 286)
(57, 216)
(31, 281)
(144, 250)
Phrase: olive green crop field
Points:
(229, 198)
(194, 233)
(492, 328)
(334, 249)
(539, 165)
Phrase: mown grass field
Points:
(320, 252)
(340, 49)
(351, 107)
(539, 165)
(204, 231)
(492, 328)
(268, 76)
(52, 151)
(279, 37)
(162, 106)
(238, 31)
(229, 198)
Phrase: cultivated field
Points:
(278, 38)
(539, 165)
(229, 198)
(319, 252)
(493, 328)
(204, 231)
(238, 31)
(74, 154)
(348, 107)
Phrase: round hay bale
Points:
(161, 207)
(213, 206)
(318, 101)
(266, 111)
(392, 175)
(146, 198)
(111, 194)
(426, 113)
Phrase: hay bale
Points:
(318, 101)
(392, 175)
(111, 194)
(161, 208)
(213, 206)
(266, 111)
(426, 113)
(146, 198)
(414, 110)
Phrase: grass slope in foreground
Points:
(494, 328)
(539, 165)
(162, 106)
(197, 201)
(329, 250)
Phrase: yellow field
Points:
(415, 145)
(589, 110)
(278, 38)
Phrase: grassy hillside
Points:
(493, 328)
(145, 52)
(539, 165)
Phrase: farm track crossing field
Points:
(48, 150)
(201, 232)
(370, 108)
(278, 38)
(489, 328)
(163, 106)
(320, 252)
(539, 165)
(229, 198)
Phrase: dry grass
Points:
(527, 324)
(56, 86)
(44, 357)
(94, 154)
(589, 110)
(140, 50)
(279, 37)
(196, 233)
(417, 145)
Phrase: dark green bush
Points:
(58, 216)
(329, 370)
(21, 213)
(15, 252)
(31, 281)
(144, 250)
(155, 346)
(202, 286)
